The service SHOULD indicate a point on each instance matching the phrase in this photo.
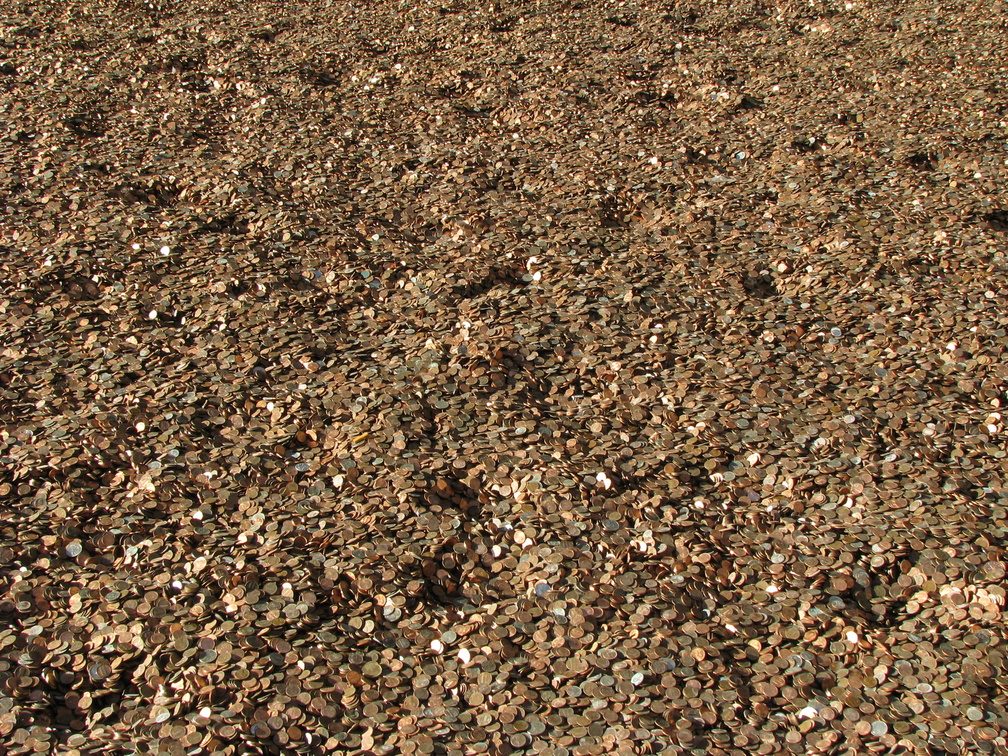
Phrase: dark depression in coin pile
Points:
(489, 378)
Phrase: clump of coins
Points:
(472, 379)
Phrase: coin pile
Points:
(484, 378)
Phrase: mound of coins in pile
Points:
(475, 378)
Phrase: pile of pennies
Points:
(481, 378)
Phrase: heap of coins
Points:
(487, 378)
